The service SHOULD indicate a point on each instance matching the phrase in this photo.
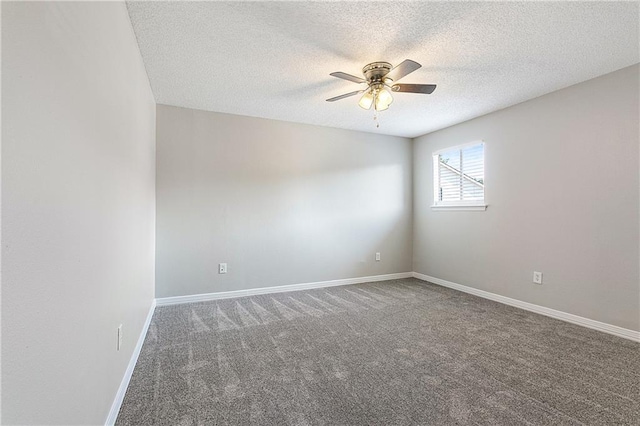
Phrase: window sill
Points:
(477, 207)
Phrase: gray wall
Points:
(562, 188)
(78, 195)
(281, 203)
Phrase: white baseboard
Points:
(164, 301)
(564, 316)
(124, 384)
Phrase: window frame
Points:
(460, 205)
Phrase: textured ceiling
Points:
(273, 59)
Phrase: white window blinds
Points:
(459, 176)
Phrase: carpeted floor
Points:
(389, 353)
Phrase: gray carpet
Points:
(392, 353)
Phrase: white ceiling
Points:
(273, 59)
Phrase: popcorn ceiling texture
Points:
(273, 59)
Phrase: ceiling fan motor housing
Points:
(375, 71)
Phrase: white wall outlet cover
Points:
(222, 268)
(377, 257)
(537, 277)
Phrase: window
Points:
(458, 176)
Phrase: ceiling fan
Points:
(381, 78)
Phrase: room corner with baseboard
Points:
(224, 213)
(534, 222)
(78, 210)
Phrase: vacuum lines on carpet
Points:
(400, 352)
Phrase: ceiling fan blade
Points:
(406, 67)
(346, 95)
(426, 89)
(349, 77)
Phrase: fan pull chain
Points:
(375, 110)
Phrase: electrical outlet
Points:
(119, 337)
(377, 257)
(222, 268)
(537, 277)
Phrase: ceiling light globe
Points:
(383, 100)
(366, 100)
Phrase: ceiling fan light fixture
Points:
(366, 100)
(383, 99)
(381, 79)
